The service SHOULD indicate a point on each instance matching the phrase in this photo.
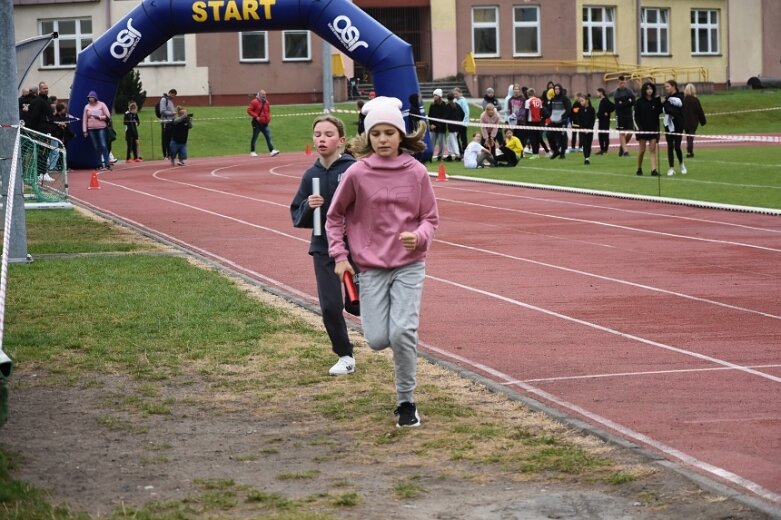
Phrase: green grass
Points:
(740, 175)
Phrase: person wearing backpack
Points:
(166, 112)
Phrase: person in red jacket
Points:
(259, 110)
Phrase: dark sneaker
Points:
(640, 172)
(408, 416)
(654, 173)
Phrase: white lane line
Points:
(609, 279)
(631, 374)
(607, 224)
(212, 190)
(607, 330)
(609, 208)
(628, 433)
(214, 213)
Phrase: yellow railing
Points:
(607, 63)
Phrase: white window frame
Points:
(661, 27)
(308, 56)
(711, 27)
(607, 26)
(82, 39)
(263, 59)
(170, 53)
(525, 25)
(486, 26)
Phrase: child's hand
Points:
(409, 240)
(343, 267)
(315, 201)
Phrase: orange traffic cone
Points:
(441, 177)
(308, 150)
(93, 182)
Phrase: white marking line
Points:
(213, 190)
(626, 432)
(616, 226)
(609, 279)
(609, 208)
(607, 330)
(732, 419)
(629, 374)
(214, 213)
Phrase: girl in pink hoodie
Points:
(385, 208)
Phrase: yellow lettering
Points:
(267, 7)
(232, 11)
(251, 10)
(199, 11)
(215, 5)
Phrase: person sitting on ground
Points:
(510, 153)
(476, 154)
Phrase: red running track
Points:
(657, 323)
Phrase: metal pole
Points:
(328, 80)
(9, 114)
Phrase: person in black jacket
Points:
(624, 99)
(693, 116)
(559, 108)
(328, 136)
(648, 108)
(605, 108)
(673, 125)
(587, 118)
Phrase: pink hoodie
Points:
(378, 199)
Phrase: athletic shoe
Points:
(586, 162)
(689, 155)
(683, 169)
(639, 172)
(671, 172)
(533, 156)
(654, 173)
(274, 152)
(47, 178)
(408, 415)
(554, 155)
(139, 160)
(345, 365)
(181, 163)
(253, 154)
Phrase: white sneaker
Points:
(671, 172)
(683, 169)
(253, 154)
(345, 365)
(274, 152)
(47, 178)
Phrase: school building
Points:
(579, 43)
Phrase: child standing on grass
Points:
(180, 130)
(131, 132)
(385, 206)
(328, 136)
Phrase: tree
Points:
(129, 89)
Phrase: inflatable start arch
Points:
(345, 26)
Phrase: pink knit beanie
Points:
(384, 110)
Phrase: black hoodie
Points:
(647, 111)
(302, 214)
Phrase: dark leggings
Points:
(690, 143)
(674, 145)
(604, 136)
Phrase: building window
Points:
(705, 31)
(296, 46)
(253, 46)
(599, 28)
(485, 32)
(74, 36)
(169, 53)
(526, 31)
(655, 29)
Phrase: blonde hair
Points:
(180, 109)
(414, 143)
(689, 90)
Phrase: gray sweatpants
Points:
(390, 313)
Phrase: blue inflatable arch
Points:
(345, 26)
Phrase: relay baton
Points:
(350, 289)
(318, 225)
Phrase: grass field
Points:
(740, 174)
